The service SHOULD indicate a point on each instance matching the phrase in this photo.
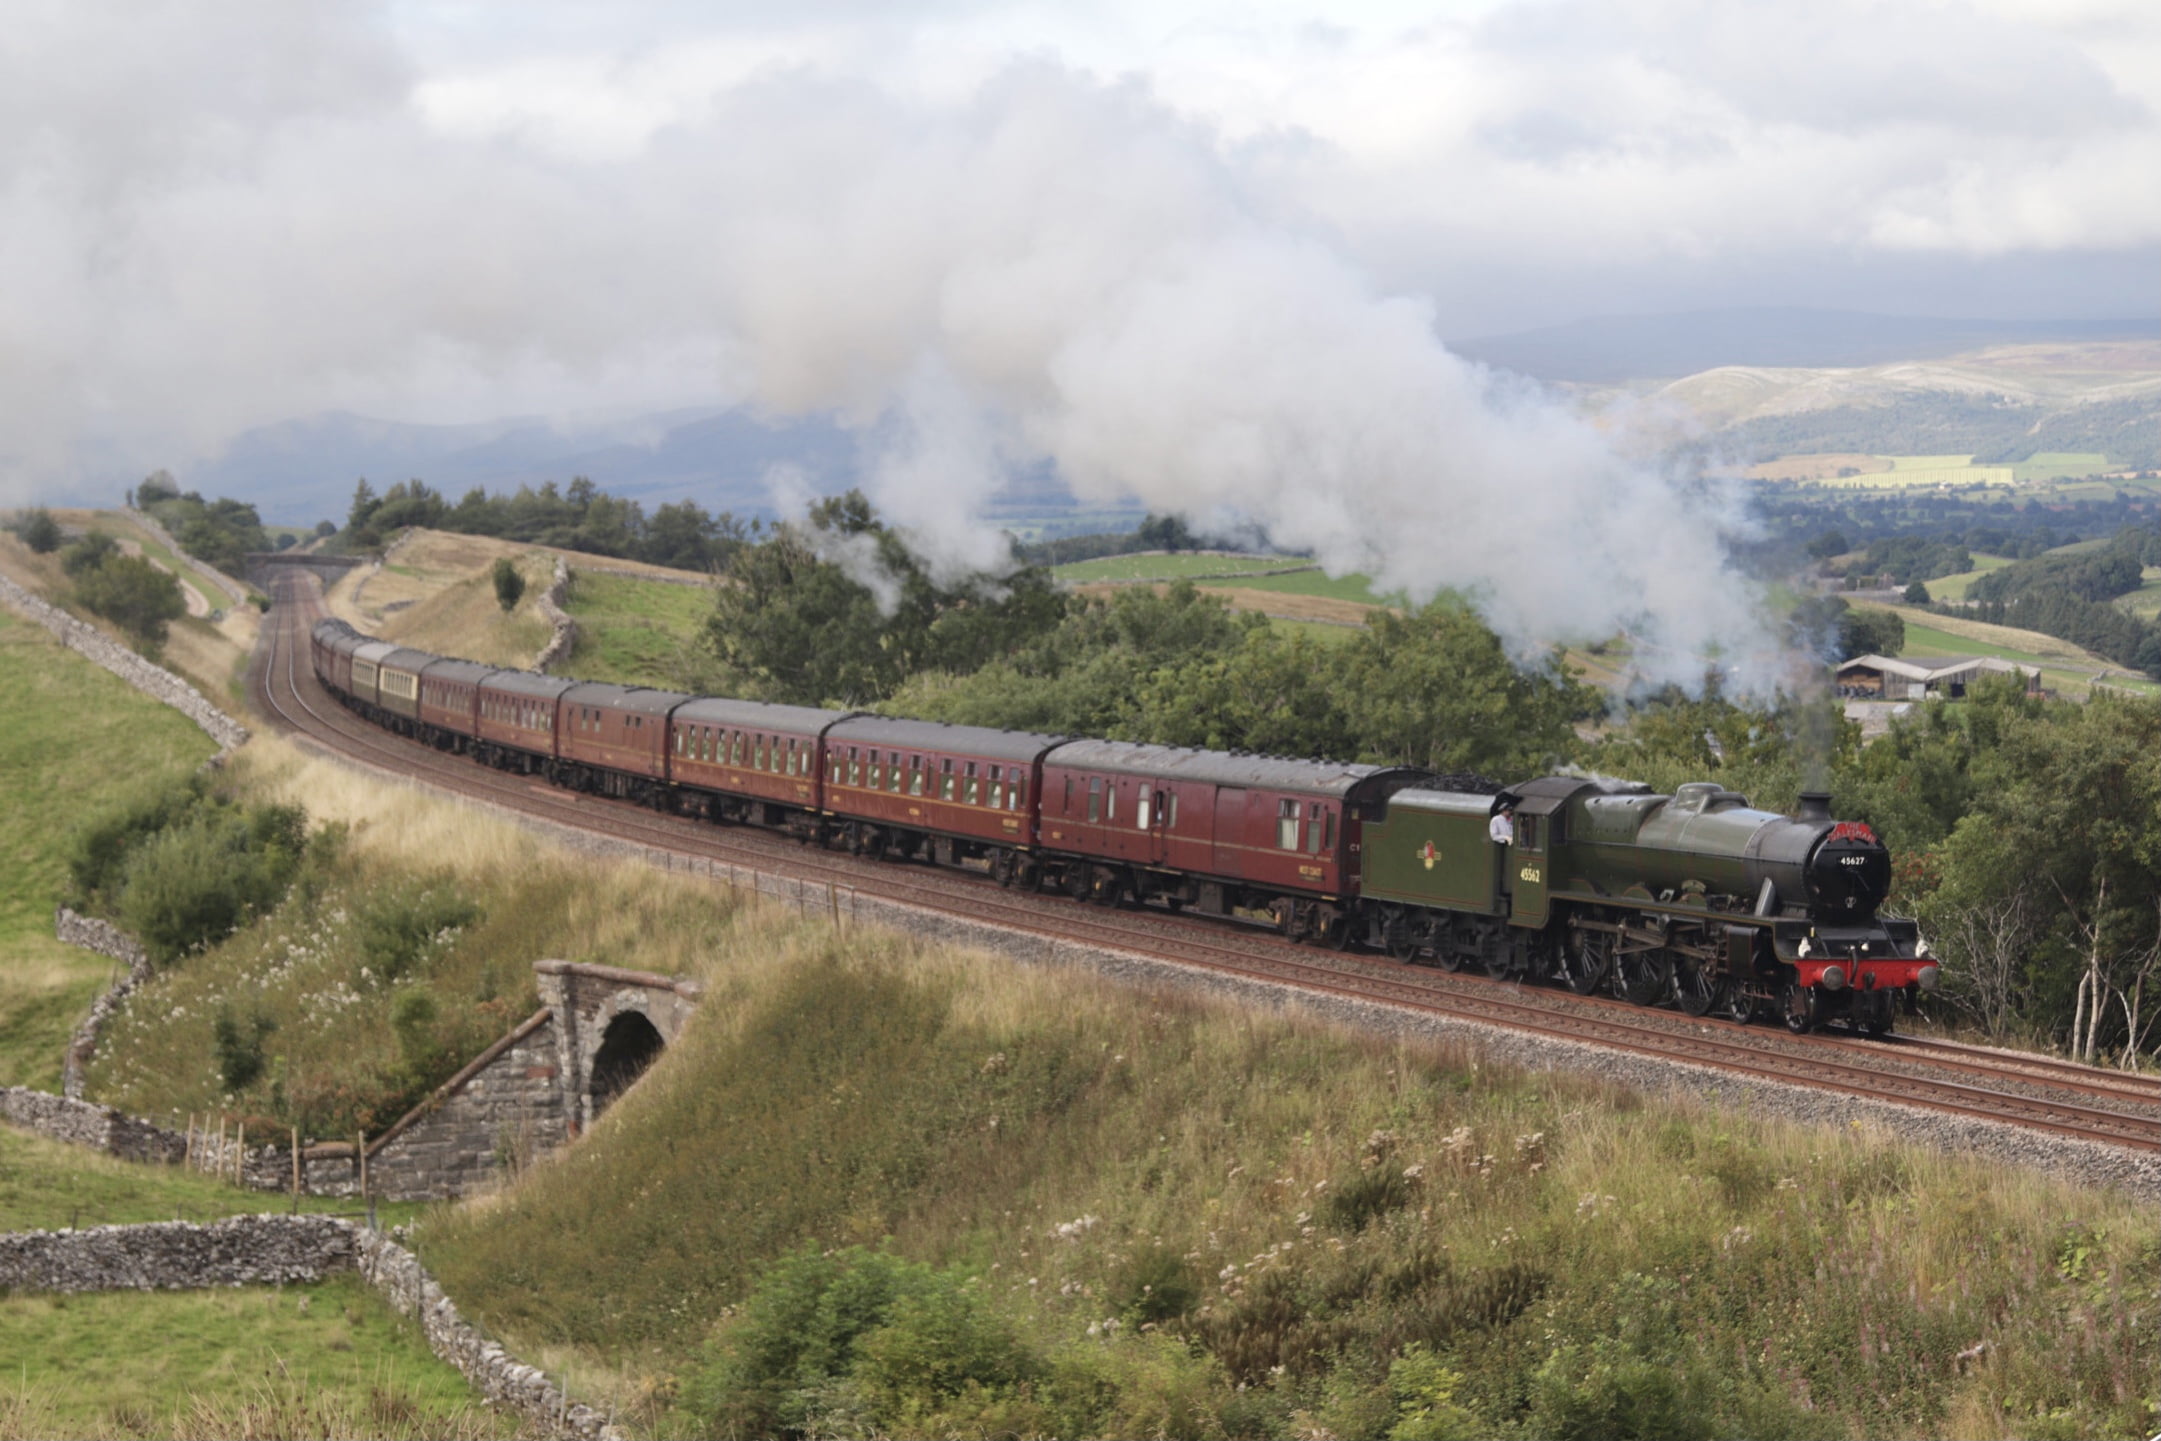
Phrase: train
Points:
(1694, 899)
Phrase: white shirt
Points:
(1501, 829)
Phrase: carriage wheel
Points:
(1586, 958)
(1643, 978)
(1797, 1007)
(1333, 933)
(1003, 868)
(1077, 882)
(1498, 956)
(1399, 939)
(1698, 985)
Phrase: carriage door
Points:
(1230, 831)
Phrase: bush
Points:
(509, 585)
(854, 1342)
(239, 1045)
(399, 926)
(89, 553)
(39, 531)
(201, 875)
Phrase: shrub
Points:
(89, 553)
(399, 926)
(509, 585)
(39, 531)
(99, 849)
(196, 882)
(1156, 1285)
(854, 1342)
(239, 1045)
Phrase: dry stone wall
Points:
(106, 939)
(177, 1255)
(80, 1123)
(499, 1376)
(153, 681)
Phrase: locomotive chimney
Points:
(1815, 806)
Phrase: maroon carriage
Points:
(450, 703)
(613, 739)
(728, 757)
(331, 644)
(515, 719)
(965, 792)
(1219, 832)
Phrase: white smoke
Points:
(245, 215)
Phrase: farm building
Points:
(1877, 677)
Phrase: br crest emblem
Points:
(1428, 854)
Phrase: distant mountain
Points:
(301, 471)
(1613, 349)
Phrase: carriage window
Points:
(855, 767)
(1095, 798)
(1013, 794)
(1110, 801)
(915, 775)
(791, 761)
(833, 765)
(997, 789)
(974, 793)
(945, 780)
(1170, 812)
(877, 773)
(1328, 819)
(1287, 825)
(1313, 830)
(892, 775)
(1140, 815)
(759, 751)
(678, 742)
(1069, 795)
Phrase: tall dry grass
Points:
(1327, 1203)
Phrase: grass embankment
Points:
(379, 975)
(638, 632)
(72, 738)
(436, 593)
(1129, 1215)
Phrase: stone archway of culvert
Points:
(629, 1045)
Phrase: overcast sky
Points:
(1194, 252)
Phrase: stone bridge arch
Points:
(609, 1025)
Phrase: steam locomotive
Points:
(1694, 899)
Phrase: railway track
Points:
(2040, 1093)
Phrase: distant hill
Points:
(1614, 349)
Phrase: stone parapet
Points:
(92, 934)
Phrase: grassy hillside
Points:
(72, 738)
(1092, 1211)
(638, 632)
(378, 977)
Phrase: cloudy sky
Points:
(1205, 240)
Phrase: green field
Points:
(1954, 587)
(1354, 588)
(73, 739)
(326, 1359)
(1924, 641)
(1913, 471)
(2146, 600)
(2049, 464)
(635, 632)
(1183, 565)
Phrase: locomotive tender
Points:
(1694, 898)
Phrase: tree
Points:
(1870, 632)
(89, 553)
(40, 531)
(1917, 594)
(509, 584)
(135, 595)
(839, 609)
